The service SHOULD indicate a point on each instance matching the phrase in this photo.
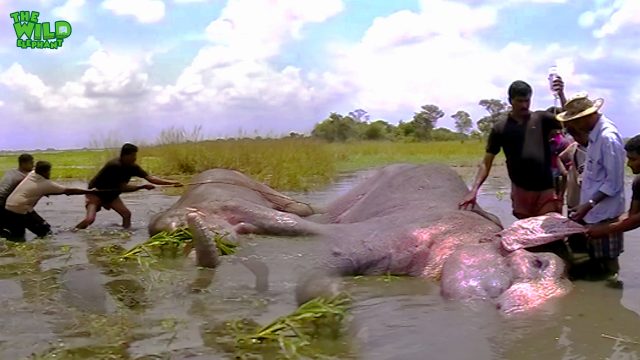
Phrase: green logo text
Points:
(34, 35)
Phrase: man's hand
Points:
(598, 231)
(558, 85)
(469, 199)
(579, 212)
(147, 186)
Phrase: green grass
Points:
(284, 164)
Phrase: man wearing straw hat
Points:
(602, 192)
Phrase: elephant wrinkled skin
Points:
(402, 219)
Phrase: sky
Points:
(131, 69)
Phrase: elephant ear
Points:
(538, 230)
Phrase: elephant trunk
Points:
(203, 243)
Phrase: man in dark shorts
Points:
(524, 138)
(19, 207)
(112, 180)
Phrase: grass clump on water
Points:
(172, 243)
(310, 331)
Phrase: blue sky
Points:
(131, 69)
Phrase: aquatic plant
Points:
(297, 334)
(172, 243)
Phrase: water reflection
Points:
(176, 311)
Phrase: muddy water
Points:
(55, 294)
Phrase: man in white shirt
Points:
(19, 207)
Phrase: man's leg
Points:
(37, 225)
(520, 203)
(548, 201)
(92, 206)
(121, 209)
(15, 227)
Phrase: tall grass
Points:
(285, 164)
(296, 164)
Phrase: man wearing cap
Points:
(602, 191)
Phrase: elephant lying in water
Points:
(402, 220)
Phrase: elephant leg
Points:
(248, 217)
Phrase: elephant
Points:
(233, 203)
(401, 220)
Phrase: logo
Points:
(34, 35)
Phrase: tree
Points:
(463, 122)
(378, 130)
(359, 115)
(497, 110)
(336, 128)
(425, 120)
(444, 134)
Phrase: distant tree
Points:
(405, 130)
(336, 128)
(444, 134)
(463, 122)
(378, 130)
(476, 135)
(497, 110)
(359, 115)
(425, 121)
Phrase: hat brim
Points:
(597, 104)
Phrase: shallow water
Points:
(58, 295)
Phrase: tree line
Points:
(357, 125)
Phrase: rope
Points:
(263, 193)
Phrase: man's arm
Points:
(483, 172)
(613, 161)
(76, 191)
(558, 86)
(567, 154)
(158, 181)
(53, 188)
(626, 222)
(613, 156)
(131, 188)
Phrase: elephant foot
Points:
(245, 228)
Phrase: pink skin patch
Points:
(525, 296)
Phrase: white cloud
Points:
(406, 60)
(1, 103)
(189, 1)
(627, 13)
(15, 77)
(113, 75)
(235, 67)
(145, 11)
(257, 28)
(612, 16)
(112, 82)
(71, 10)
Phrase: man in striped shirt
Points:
(602, 192)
